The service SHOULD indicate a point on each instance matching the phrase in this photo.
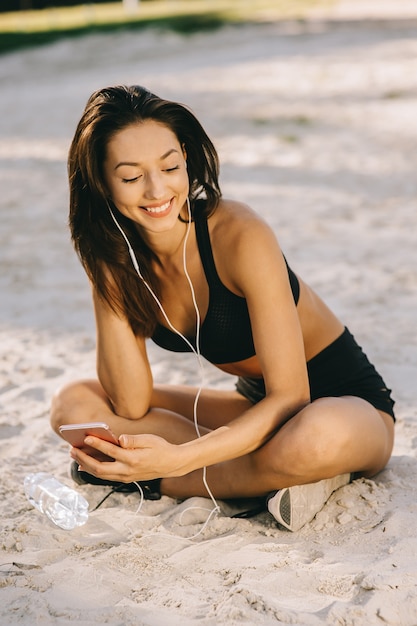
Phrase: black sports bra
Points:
(226, 333)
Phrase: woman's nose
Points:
(155, 187)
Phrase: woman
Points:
(166, 254)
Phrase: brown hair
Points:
(97, 241)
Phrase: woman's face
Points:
(146, 175)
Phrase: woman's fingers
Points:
(136, 459)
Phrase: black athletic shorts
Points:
(341, 369)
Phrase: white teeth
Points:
(158, 209)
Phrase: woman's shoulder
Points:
(238, 236)
(228, 208)
(233, 221)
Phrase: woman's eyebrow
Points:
(132, 164)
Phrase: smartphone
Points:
(76, 433)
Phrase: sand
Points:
(315, 126)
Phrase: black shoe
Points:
(150, 488)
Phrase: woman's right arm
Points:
(122, 364)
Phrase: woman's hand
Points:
(138, 457)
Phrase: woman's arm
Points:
(122, 364)
(251, 263)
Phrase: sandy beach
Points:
(315, 124)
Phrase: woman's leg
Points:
(331, 436)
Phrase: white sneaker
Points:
(295, 506)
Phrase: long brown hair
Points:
(98, 243)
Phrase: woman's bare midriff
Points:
(319, 325)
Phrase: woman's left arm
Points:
(259, 273)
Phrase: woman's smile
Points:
(159, 210)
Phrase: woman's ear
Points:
(184, 154)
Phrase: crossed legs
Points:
(330, 436)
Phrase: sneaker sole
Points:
(295, 506)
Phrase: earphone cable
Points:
(195, 350)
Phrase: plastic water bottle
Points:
(64, 506)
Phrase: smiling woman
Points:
(146, 174)
(141, 137)
(170, 259)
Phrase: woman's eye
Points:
(172, 169)
(130, 180)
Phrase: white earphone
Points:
(196, 350)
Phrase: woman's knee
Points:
(76, 402)
(315, 442)
(333, 436)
